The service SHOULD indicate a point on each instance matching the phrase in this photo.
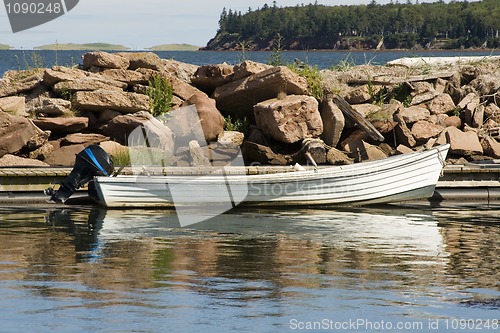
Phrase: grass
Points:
(160, 93)
(313, 77)
(238, 125)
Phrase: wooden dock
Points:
(470, 182)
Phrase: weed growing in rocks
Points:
(160, 93)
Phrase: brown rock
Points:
(491, 147)
(101, 100)
(104, 60)
(15, 105)
(478, 117)
(238, 97)
(290, 119)
(402, 149)
(360, 151)
(42, 152)
(62, 125)
(333, 122)
(423, 130)
(336, 157)
(64, 156)
(207, 78)
(66, 88)
(403, 133)
(413, 114)
(126, 76)
(17, 82)
(463, 143)
(137, 60)
(358, 95)
(12, 160)
(178, 69)
(454, 121)
(15, 132)
(440, 104)
(230, 139)
(255, 153)
(83, 139)
(210, 118)
(50, 107)
(61, 73)
(247, 68)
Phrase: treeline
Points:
(315, 26)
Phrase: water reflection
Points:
(404, 262)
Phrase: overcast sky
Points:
(138, 24)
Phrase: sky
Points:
(138, 24)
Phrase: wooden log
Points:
(356, 117)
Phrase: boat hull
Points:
(394, 179)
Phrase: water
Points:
(399, 269)
(22, 59)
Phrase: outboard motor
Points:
(90, 162)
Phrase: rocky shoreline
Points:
(47, 115)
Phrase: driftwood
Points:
(356, 117)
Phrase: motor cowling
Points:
(90, 162)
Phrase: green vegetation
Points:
(160, 93)
(313, 76)
(239, 125)
(174, 47)
(401, 25)
(84, 47)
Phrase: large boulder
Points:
(440, 104)
(64, 156)
(104, 60)
(17, 82)
(291, 119)
(15, 133)
(56, 74)
(238, 97)
(210, 118)
(333, 123)
(207, 78)
(15, 105)
(100, 100)
(62, 125)
(463, 143)
(53, 107)
(423, 130)
(137, 60)
(247, 68)
(66, 88)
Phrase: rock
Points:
(67, 88)
(336, 157)
(83, 139)
(403, 133)
(61, 73)
(230, 139)
(129, 130)
(247, 68)
(422, 92)
(413, 114)
(38, 139)
(104, 60)
(180, 70)
(367, 109)
(14, 105)
(383, 119)
(64, 156)
(478, 117)
(290, 119)
(454, 121)
(486, 84)
(463, 143)
(42, 152)
(491, 147)
(15, 132)
(466, 100)
(142, 60)
(17, 82)
(333, 123)
(313, 149)
(53, 107)
(359, 95)
(100, 100)
(210, 118)
(254, 153)
(113, 148)
(423, 130)
(360, 151)
(126, 76)
(207, 78)
(402, 149)
(62, 125)
(440, 104)
(470, 109)
(12, 160)
(492, 111)
(238, 97)
(198, 157)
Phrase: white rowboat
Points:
(393, 179)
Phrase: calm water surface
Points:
(400, 269)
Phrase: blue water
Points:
(22, 59)
(387, 269)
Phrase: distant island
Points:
(85, 47)
(4, 47)
(174, 47)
